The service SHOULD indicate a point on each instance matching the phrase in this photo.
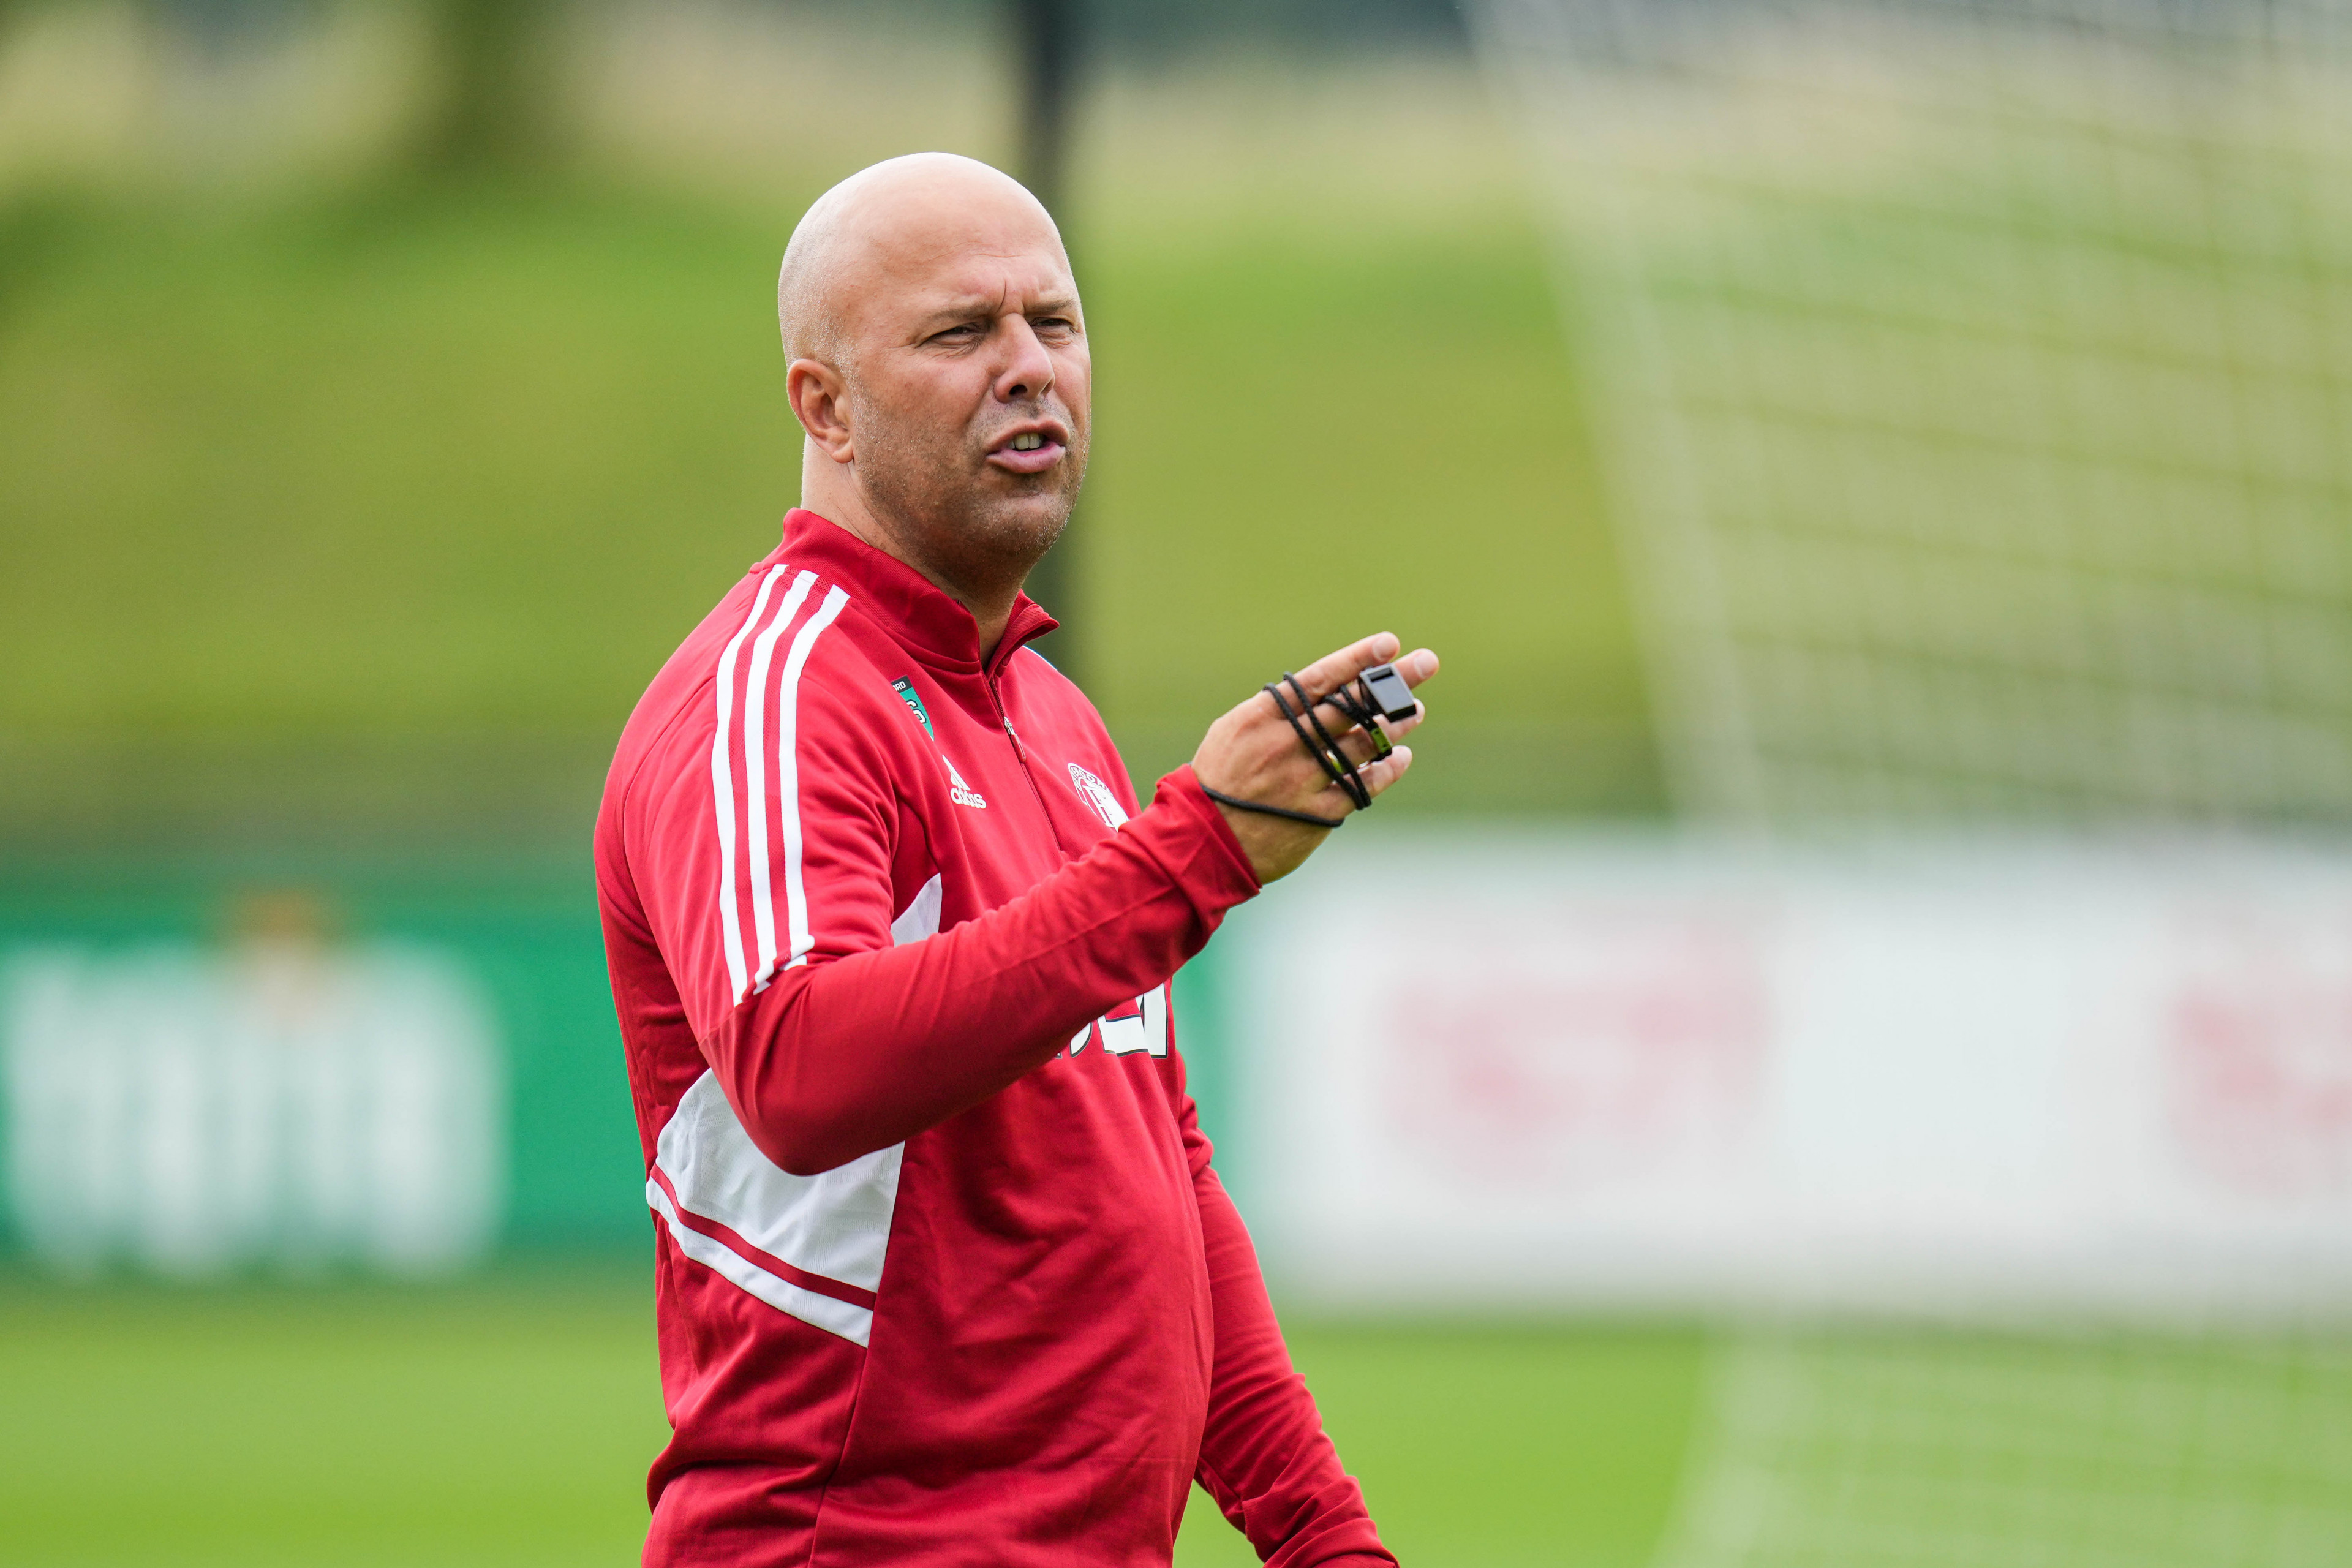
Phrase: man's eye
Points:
(963, 331)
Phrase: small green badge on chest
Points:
(914, 700)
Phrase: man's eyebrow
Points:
(971, 305)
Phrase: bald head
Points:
(884, 219)
(940, 370)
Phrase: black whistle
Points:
(1392, 699)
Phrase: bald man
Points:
(944, 1274)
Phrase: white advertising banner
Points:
(196, 1110)
(1965, 1077)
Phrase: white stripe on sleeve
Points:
(722, 789)
(755, 782)
(788, 773)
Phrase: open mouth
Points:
(1028, 451)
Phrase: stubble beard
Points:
(979, 527)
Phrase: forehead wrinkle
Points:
(972, 302)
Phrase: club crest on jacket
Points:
(1097, 794)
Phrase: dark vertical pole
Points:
(489, 113)
(1045, 38)
(1047, 31)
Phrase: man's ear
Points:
(820, 401)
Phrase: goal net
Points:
(1973, 378)
(1946, 1451)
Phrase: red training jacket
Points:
(943, 1274)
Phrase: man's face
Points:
(968, 391)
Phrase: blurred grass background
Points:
(370, 510)
(358, 466)
(408, 494)
(509, 1422)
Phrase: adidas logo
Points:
(962, 792)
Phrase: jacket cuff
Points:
(1219, 876)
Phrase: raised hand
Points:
(1253, 754)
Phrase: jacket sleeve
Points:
(1265, 1456)
(830, 1036)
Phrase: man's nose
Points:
(1028, 371)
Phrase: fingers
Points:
(1335, 669)
(1357, 746)
(1377, 776)
(1333, 801)
(1328, 674)
(1253, 754)
(1360, 748)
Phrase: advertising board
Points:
(1947, 1075)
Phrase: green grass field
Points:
(509, 1422)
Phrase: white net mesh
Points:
(1973, 376)
(1971, 1452)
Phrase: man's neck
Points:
(842, 504)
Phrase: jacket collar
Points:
(902, 601)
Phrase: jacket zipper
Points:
(1021, 755)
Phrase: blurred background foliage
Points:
(385, 389)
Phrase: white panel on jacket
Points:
(835, 1224)
(921, 916)
(850, 1321)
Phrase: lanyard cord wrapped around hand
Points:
(1238, 804)
(1334, 764)
(1359, 713)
